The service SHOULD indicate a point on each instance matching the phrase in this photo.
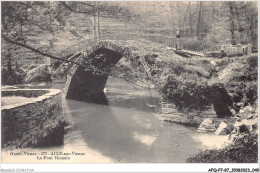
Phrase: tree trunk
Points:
(173, 23)
(9, 63)
(232, 24)
(98, 25)
(240, 29)
(98, 22)
(213, 13)
(185, 28)
(190, 22)
(199, 23)
(95, 24)
(179, 14)
(95, 27)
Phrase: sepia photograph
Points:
(129, 82)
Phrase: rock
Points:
(206, 126)
(67, 128)
(221, 128)
(207, 122)
(229, 128)
(233, 111)
(213, 62)
(251, 124)
(193, 113)
(241, 127)
(202, 130)
(250, 116)
(151, 106)
(239, 123)
(240, 104)
(246, 111)
(197, 119)
(224, 129)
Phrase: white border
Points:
(124, 167)
(129, 167)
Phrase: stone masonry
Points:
(192, 118)
(121, 49)
(37, 123)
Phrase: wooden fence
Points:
(195, 45)
(232, 50)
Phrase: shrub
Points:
(191, 84)
(186, 85)
(12, 76)
(41, 73)
(243, 150)
(186, 91)
(241, 80)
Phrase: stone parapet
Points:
(35, 123)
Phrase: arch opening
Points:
(88, 85)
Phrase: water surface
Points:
(128, 128)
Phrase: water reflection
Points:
(97, 98)
(145, 139)
(127, 129)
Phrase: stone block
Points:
(194, 113)
(23, 123)
(207, 126)
(224, 129)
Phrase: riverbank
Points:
(243, 150)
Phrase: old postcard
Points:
(129, 82)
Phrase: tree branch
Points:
(91, 12)
(75, 11)
(38, 51)
(68, 60)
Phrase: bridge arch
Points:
(82, 84)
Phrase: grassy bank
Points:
(197, 82)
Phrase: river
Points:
(127, 129)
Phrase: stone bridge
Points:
(87, 84)
(84, 83)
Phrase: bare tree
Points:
(232, 22)
(199, 22)
(190, 21)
